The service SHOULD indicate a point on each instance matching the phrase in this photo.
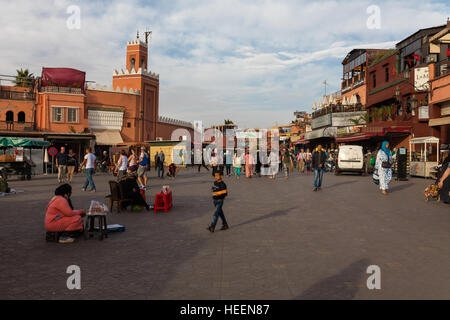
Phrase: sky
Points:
(254, 62)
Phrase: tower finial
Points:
(137, 35)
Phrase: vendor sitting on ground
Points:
(132, 191)
(61, 217)
(172, 170)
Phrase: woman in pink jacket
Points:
(61, 217)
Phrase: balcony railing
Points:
(55, 89)
(16, 126)
(336, 109)
(16, 95)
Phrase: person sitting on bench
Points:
(61, 217)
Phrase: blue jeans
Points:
(89, 180)
(318, 176)
(159, 171)
(218, 213)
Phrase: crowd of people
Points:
(131, 170)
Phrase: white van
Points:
(350, 159)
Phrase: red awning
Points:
(303, 141)
(368, 134)
(65, 77)
(357, 137)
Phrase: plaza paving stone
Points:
(285, 242)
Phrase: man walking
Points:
(161, 158)
(219, 192)
(91, 165)
(61, 164)
(318, 162)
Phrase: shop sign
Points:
(421, 78)
(348, 130)
(19, 155)
(345, 119)
(424, 112)
(321, 121)
(319, 133)
(248, 135)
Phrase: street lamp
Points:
(413, 102)
(399, 106)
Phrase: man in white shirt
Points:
(91, 165)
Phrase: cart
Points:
(18, 164)
(21, 168)
(422, 157)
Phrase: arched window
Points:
(132, 63)
(10, 116)
(21, 117)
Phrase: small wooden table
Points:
(89, 227)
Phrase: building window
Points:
(72, 115)
(386, 74)
(374, 80)
(9, 116)
(21, 117)
(408, 106)
(128, 124)
(57, 114)
(132, 63)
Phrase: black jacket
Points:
(219, 190)
(318, 158)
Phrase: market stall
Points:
(423, 156)
(16, 162)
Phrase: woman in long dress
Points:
(248, 165)
(385, 174)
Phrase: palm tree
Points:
(23, 78)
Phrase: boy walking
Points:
(219, 192)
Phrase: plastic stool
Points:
(163, 201)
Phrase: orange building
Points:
(65, 111)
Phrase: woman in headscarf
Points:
(383, 164)
(444, 180)
(61, 217)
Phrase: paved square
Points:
(285, 242)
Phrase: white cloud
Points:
(251, 61)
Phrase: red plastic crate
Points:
(163, 201)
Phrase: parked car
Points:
(350, 159)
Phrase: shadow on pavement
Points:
(273, 214)
(341, 183)
(401, 187)
(342, 286)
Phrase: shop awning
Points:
(357, 137)
(302, 141)
(108, 137)
(439, 121)
(19, 142)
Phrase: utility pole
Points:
(325, 84)
(147, 34)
